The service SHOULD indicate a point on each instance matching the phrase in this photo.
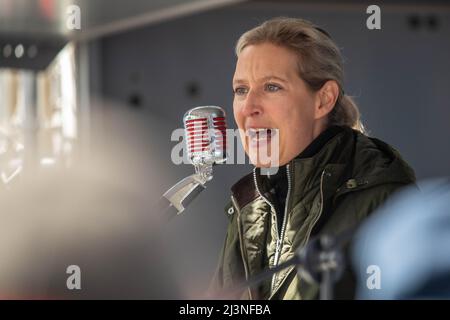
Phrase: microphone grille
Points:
(220, 132)
(205, 130)
(197, 137)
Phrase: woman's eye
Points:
(272, 87)
(240, 91)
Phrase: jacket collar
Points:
(346, 156)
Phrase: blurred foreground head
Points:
(402, 251)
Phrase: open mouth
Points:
(260, 136)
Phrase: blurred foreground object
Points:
(93, 216)
(406, 244)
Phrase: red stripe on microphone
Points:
(195, 145)
(193, 120)
(193, 128)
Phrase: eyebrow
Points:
(236, 81)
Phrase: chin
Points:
(262, 164)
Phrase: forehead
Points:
(262, 60)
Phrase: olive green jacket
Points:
(332, 191)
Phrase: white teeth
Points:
(260, 133)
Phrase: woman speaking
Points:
(289, 81)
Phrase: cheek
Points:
(293, 125)
(238, 118)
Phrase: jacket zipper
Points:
(279, 241)
(241, 243)
(308, 234)
(283, 228)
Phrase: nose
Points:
(252, 105)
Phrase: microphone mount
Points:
(186, 190)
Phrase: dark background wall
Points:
(398, 75)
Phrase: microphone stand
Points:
(320, 261)
(175, 200)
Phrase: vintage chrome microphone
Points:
(205, 136)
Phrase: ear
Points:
(326, 99)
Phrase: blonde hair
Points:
(319, 60)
